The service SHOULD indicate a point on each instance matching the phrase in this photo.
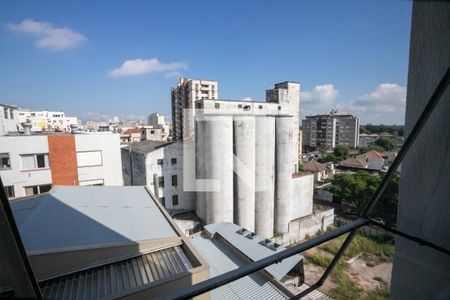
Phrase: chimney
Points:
(26, 128)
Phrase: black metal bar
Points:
(250, 268)
(411, 237)
(18, 241)
(420, 123)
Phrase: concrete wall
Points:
(111, 168)
(420, 272)
(302, 196)
(8, 124)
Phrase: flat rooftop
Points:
(87, 216)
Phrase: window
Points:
(94, 182)
(152, 132)
(5, 111)
(175, 200)
(161, 181)
(10, 191)
(160, 161)
(33, 114)
(89, 158)
(217, 105)
(174, 180)
(163, 201)
(11, 114)
(260, 106)
(34, 161)
(247, 107)
(37, 189)
(239, 105)
(5, 162)
(173, 161)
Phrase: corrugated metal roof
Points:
(223, 259)
(252, 246)
(80, 216)
(118, 277)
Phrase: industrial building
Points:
(330, 130)
(183, 97)
(31, 164)
(246, 159)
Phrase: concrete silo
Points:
(218, 164)
(283, 172)
(264, 175)
(244, 167)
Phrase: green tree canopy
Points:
(357, 189)
(341, 152)
(387, 144)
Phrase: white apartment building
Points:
(183, 97)
(8, 119)
(47, 120)
(330, 130)
(158, 165)
(32, 164)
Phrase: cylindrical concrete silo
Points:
(218, 155)
(264, 175)
(283, 172)
(244, 171)
(200, 204)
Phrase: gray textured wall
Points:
(424, 204)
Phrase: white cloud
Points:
(387, 97)
(247, 99)
(385, 104)
(141, 66)
(47, 35)
(320, 94)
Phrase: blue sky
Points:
(350, 55)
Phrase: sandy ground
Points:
(358, 270)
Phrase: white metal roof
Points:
(250, 245)
(79, 216)
(222, 259)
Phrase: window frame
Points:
(5, 155)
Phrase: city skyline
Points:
(353, 58)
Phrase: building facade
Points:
(32, 164)
(330, 130)
(47, 120)
(159, 166)
(8, 119)
(183, 97)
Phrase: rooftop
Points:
(354, 162)
(146, 146)
(84, 216)
(314, 166)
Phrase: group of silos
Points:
(245, 162)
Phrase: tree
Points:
(387, 144)
(357, 189)
(341, 152)
(301, 168)
(328, 158)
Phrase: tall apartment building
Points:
(32, 164)
(183, 97)
(48, 120)
(330, 130)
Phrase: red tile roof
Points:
(354, 162)
(314, 166)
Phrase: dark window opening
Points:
(175, 200)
